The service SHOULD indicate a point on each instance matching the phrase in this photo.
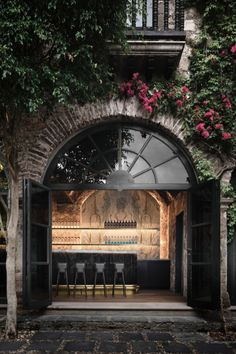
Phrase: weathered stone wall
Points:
(192, 23)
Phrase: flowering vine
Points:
(208, 120)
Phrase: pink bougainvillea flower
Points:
(171, 94)
(171, 84)
(185, 89)
(179, 103)
(157, 94)
(122, 87)
(226, 101)
(148, 108)
(226, 136)
(200, 127)
(228, 104)
(205, 103)
(130, 92)
(218, 126)
(139, 83)
(135, 76)
(233, 48)
(222, 53)
(209, 113)
(205, 134)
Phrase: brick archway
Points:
(65, 123)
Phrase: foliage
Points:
(231, 220)
(213, 72)
(211, 122)
(204, 167)
(213, 62)
(228, 192)
(56, 51)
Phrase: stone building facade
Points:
(44, 139)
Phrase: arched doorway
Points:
(113, 154)
(101, 170)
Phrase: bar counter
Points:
(95, 256)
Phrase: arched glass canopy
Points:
(116, 155)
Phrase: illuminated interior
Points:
(112, 220)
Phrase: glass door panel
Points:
(204, 246)
(37, 245)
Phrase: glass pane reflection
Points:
(201, 243)
(171, 172)
(139, 165)
(133, 139)
(39, 206)
(157, 152)
(127, 159)
(201, 287)
(39, 282)
(143, 178)
(100, 153)
(106, 139)
(39, 241)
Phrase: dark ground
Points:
(58, 333)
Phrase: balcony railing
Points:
(156, 16)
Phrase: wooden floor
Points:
(144, 296)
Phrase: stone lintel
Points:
(169, 48)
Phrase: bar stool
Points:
(119, 269)
(62, 269)
(80, 269)
(99, 269)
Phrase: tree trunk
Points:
(13, 216)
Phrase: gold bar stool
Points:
(62, 270)
(80, 269)
(119, 269)
(99, 269)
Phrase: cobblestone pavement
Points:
(117, 340)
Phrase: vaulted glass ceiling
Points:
(119, 155)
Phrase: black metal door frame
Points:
(28, 186)
(197, 262)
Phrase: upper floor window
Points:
(157, 15)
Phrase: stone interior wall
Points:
(177, 205)
(79, 217)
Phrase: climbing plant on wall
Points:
(207, 119)
(213, 63)
(206, 102)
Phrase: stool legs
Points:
(84, 279)
(124, 287)
(95, 283)
(123, 282)
(85, 284)
(114, 283)
(58, 280)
